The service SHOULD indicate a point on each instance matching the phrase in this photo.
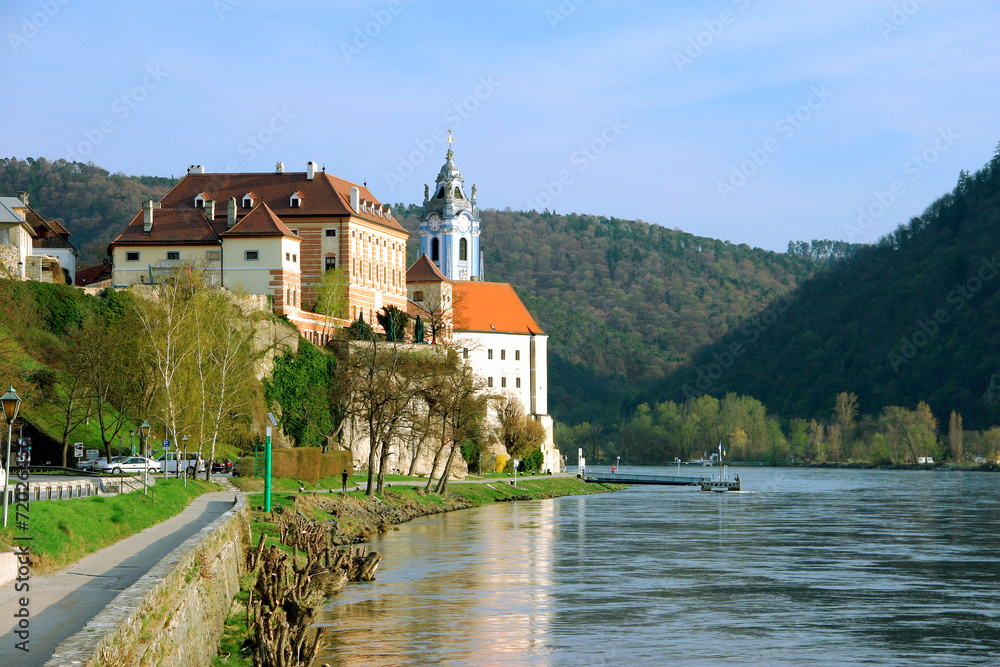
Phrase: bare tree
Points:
(514, 428)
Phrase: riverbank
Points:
(355, 518)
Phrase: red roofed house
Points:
(276, 234)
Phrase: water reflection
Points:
(810, 567)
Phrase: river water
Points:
(804, 567)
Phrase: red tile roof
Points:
(424, 271)
(489, 307)
(325, 195)
(261, 221)
(173, 226)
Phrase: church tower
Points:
(449, 228)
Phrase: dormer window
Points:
(295, 201)
(440, 194)
(248, 200)
(458, 193)
(199, 201)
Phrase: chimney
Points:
(210, 209)
(196, 169)
(279, 168)
(355, 199)
(231, 213)
(23, 196)
(147, 215)
(310, 170)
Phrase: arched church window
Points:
(435, 250)
(440, 194)
(458, 193)
(463, 249)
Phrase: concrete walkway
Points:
(63, 602)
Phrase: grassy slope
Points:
(63, 531)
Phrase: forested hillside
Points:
(92, 203)
(916, 317)
(624, 302)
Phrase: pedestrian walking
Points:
(343, 479)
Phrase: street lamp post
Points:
(131, 443)
(184, 449)
(11, 404)
(618, 464)
(144, 433)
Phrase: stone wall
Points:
(174, 615)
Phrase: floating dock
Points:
(706, 483)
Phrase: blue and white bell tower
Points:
(449, 228)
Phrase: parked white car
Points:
(188, 461)
(121, 464)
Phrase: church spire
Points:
(449, 228)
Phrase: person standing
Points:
(343, 479)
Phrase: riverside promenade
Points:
(62, 603)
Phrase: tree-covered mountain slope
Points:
(914, 317)
(625, 302)
(92, 203)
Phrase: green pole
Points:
(267, 471)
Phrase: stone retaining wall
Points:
(174, 615)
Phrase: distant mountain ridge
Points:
(914, 317)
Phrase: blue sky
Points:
(753, 121)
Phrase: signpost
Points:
(516, 463)
(78, 450)
(93, 454)
(267, 464)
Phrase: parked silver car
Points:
(121, 464)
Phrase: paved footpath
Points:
(63, 602)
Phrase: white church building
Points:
(486, 321)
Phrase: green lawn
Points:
(63, 531)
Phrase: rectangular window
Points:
(517, 355)
(330, 233)
(288, 256)
(294, 231)
(465, 353)
(132, 256)
(173, 254)
(329, 264)
(503, 382)
(517, 382)
(489, 382)
(251, 255)
(489, 354)
(503, 354)
(295, 257)
(213, 255)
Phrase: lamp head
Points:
(11, 404)
(144, 429)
